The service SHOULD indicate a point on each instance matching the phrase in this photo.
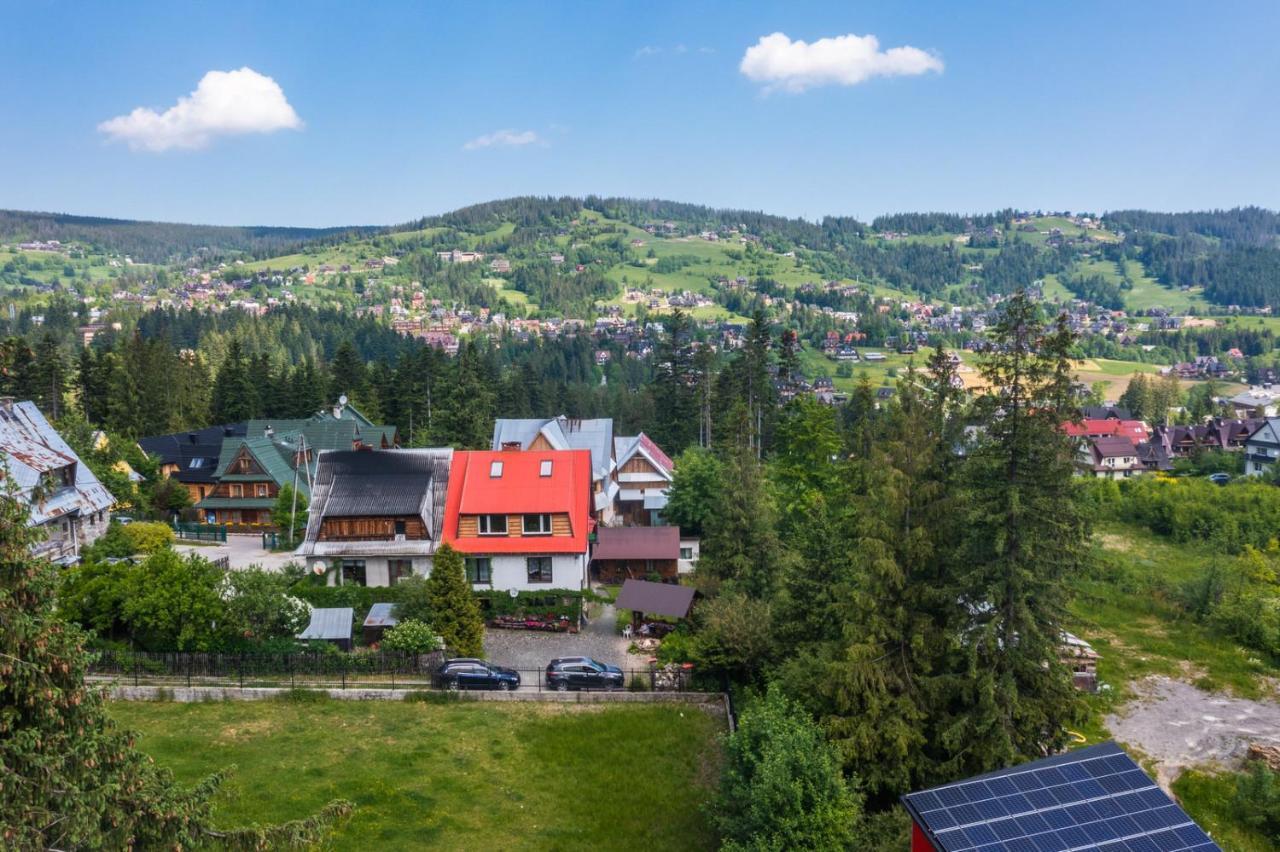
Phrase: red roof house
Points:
(522, 519)
(1134, 430)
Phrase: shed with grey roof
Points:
(331, 624)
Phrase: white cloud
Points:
(225, 103)
(505, 139)
(846, 60)
(678, 50)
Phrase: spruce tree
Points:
(52, 376)
(454, 611)
(235, 393)
(1024, 536)
(879, 696)
(740, 546)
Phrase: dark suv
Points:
(582, 673)
(468, 673)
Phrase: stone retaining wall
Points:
(186, 694)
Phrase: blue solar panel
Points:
(1094, 798)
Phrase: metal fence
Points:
(200, 532)
(321, 670)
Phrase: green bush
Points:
(413, 636)
(1246, 512)
(781, 786)
(148, 536)
(1258, 799)
(555, 602)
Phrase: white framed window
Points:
(479, 569)
(537, 524)
(493, 524)
(495, 470)
(545, 468)
(539, 568)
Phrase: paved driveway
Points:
(241, 550)
(529, 651)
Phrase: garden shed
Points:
(381, 617)
(635, 552)
(332, 624)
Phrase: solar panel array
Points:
(1100, 801)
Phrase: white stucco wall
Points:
(568, 571)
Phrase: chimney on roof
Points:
(191, 437)
(268, 432)
(6, 403)
(511, 446)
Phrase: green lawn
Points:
(454, 775)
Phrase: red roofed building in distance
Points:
(1134, 430)
(521, 518)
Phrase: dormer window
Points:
(495, 470)
(545, 468)
(537, 524)
(493, 525)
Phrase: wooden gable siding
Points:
(540, 443)
(371, 529)
(469, 526)
(238, 490)
(640, 464)
(245, 464)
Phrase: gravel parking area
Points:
(1181, 726)
(529, 651)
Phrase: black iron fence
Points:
(326, 670)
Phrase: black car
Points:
(582, 673)
(468, 673)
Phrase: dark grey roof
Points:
(202, 446)
(361, 483)
(367, 482)
(655, 598)
(330, 623)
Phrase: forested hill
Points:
(165, 242)
(1137, 260)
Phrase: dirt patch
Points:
(1179, 726)
(1111, 541)
(254, 728)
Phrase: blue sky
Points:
(1082, 106)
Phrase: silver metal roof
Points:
(562, 433)
(329, 623)
(31, 449)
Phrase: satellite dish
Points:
(318, 568)
(515, 593)
(342, 400)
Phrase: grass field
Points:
(1125, 609)
(457, 775)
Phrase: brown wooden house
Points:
(635, 553)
